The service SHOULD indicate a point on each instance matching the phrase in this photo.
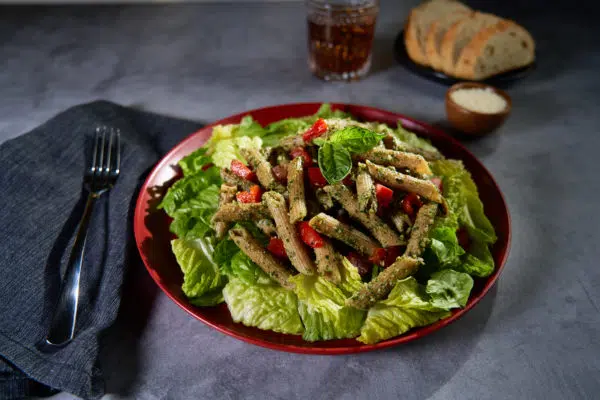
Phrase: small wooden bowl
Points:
(473, 122)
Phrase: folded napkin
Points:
(41, 202)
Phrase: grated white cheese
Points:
(484, 101)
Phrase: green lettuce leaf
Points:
(323, 311)
(193, 163)
(326, 112)
(187, 188)
(449, 289)
(463, 200)
(226, 150)
(350, 278)
(478, 261)
(412, 139)
(406, 307)
(276, 131)
(268, 307)
(443, 245)
(202, 280)
(241, 267)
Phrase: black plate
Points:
(502, 80)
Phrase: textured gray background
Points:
(535, 336)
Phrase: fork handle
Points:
(62, 328)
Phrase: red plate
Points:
(151, 228)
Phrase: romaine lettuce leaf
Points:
(444, 242)
(463, 200)
(202, 280)
(326, 112)
(406, 307)
(449, 289)
(350, 281)
(188, 188)
(226, 150)
(323, 311)
(193, 162)
(268, 307)
(412, 139)
(241, 267)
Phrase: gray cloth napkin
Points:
(40, 204)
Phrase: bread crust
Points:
(432, 52)
(467, 62)
(411, 42)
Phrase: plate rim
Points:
(165, 161)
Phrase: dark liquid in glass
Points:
(340, 43)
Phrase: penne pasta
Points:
(295, 249)
(297, 198)
(226, 196)
(401, 221)
(378, 228)
(382, 285)
(365, 190)
(291, 142)
(241, 212)
(393, 143)
(408, 183)
(261, 257)
(262, 168)
(335, 229)
(419, 235)
(329, 262)
(399, 159)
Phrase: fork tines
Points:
(106, 159)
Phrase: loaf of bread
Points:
(450, 37)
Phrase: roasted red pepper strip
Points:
(411, 204)
(310, 236)
(316, 178)
(363, 265)
(242, 170)
(254, 195)
(301, 152)
(275, 246)
(384, 195)
(280, 173)
(378, 256)
(318, 128)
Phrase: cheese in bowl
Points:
(484, 101)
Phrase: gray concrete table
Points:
(535, 336)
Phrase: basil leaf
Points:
(319, 141)
(356, 139)
(335, 162)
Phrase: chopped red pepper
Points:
(348, 181)
(318, 128)
(363, 265)
(242, 170)
(391, 254)
(378, 256)
(438, 182)
(254, 195)
(411, 204)
(280, 173)
(276, 247)
(316, 178)
(301, 152)
(463, 238)
(384, 195)
(310, 236)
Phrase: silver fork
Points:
(98, 179)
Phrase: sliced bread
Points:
(419, 21)
(460, 35)
(436, 33)
(502, 47)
